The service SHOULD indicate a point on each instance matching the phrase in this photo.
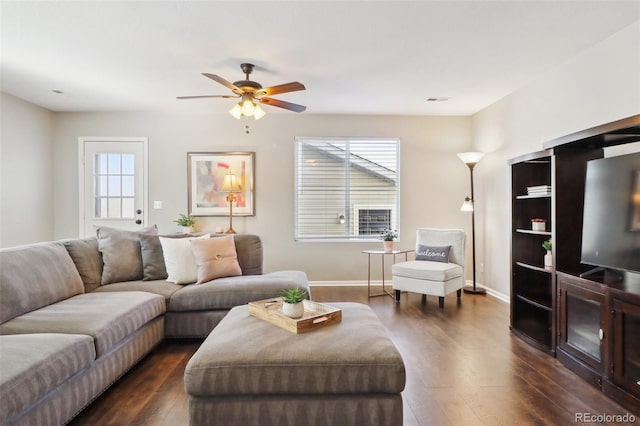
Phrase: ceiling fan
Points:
(252, 93)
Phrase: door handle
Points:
(138, 211)
(138, 221)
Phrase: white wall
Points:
(598, 86)
(26, 172)
(434, 181)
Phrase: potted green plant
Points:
(186, 222)
(548, 258)
(292, 305)
(387, 236)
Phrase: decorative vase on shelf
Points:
(548, 260)
(538, 225)
(187, 229)
(388, 246)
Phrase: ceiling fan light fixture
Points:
(258, 113)
(236, 111)
(248, 107)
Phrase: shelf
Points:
(529, 231)
(534, 303)
(535, 268)
(527, 197)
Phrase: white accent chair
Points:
(433, 278)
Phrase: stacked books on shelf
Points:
(539, 190)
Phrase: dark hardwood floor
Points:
(463, 368)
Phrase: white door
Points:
(113, 183)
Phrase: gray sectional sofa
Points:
(66, 336)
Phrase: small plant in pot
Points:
(186, 222)
(387, 236)
(548, 258)
(292, 305)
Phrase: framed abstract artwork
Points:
(635, 203)
(208, 174)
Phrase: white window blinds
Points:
(346, 188)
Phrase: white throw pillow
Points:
(179, 260)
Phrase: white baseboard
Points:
(491, 292)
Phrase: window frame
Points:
(395, 209)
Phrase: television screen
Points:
(611, 215)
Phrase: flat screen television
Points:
(611, 215)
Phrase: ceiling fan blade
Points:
(224, 82)
(206, 96)
(294, 86)
(282, 104)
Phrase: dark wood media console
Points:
(591, 323)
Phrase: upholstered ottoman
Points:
(250, 372)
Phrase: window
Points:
(113, 181)
(346, 189)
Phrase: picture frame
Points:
(205, 176)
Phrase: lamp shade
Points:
(236, 111)
(231, 183)
(471, 158)
(467, 205)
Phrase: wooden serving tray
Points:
(316, 315)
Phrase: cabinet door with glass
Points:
(626, 345)
(582, 316)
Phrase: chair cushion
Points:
(107, 317)
(427, 270)
(34, 364)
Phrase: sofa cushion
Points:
(34, 364)
(153, 267)
(216, 258)
(178, 259)
(427, 270)
(249, 250)
(121, 253)
(88, 260)
(34, 276)
(225, 293)
(107, 317)
(160, 287)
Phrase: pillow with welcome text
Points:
(433, 253)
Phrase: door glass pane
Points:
(127, 186)
(114, 164)
(114, 207)
(127, 208)
(114, 186)
(127, 164)
(583, 325)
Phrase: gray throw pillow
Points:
(85, 255)
(121, 253)
(153, 266)
(433, 253)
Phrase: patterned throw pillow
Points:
(433, 253)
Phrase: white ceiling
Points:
(355, 57)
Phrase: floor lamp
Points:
(471, 159)
(231, 185)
